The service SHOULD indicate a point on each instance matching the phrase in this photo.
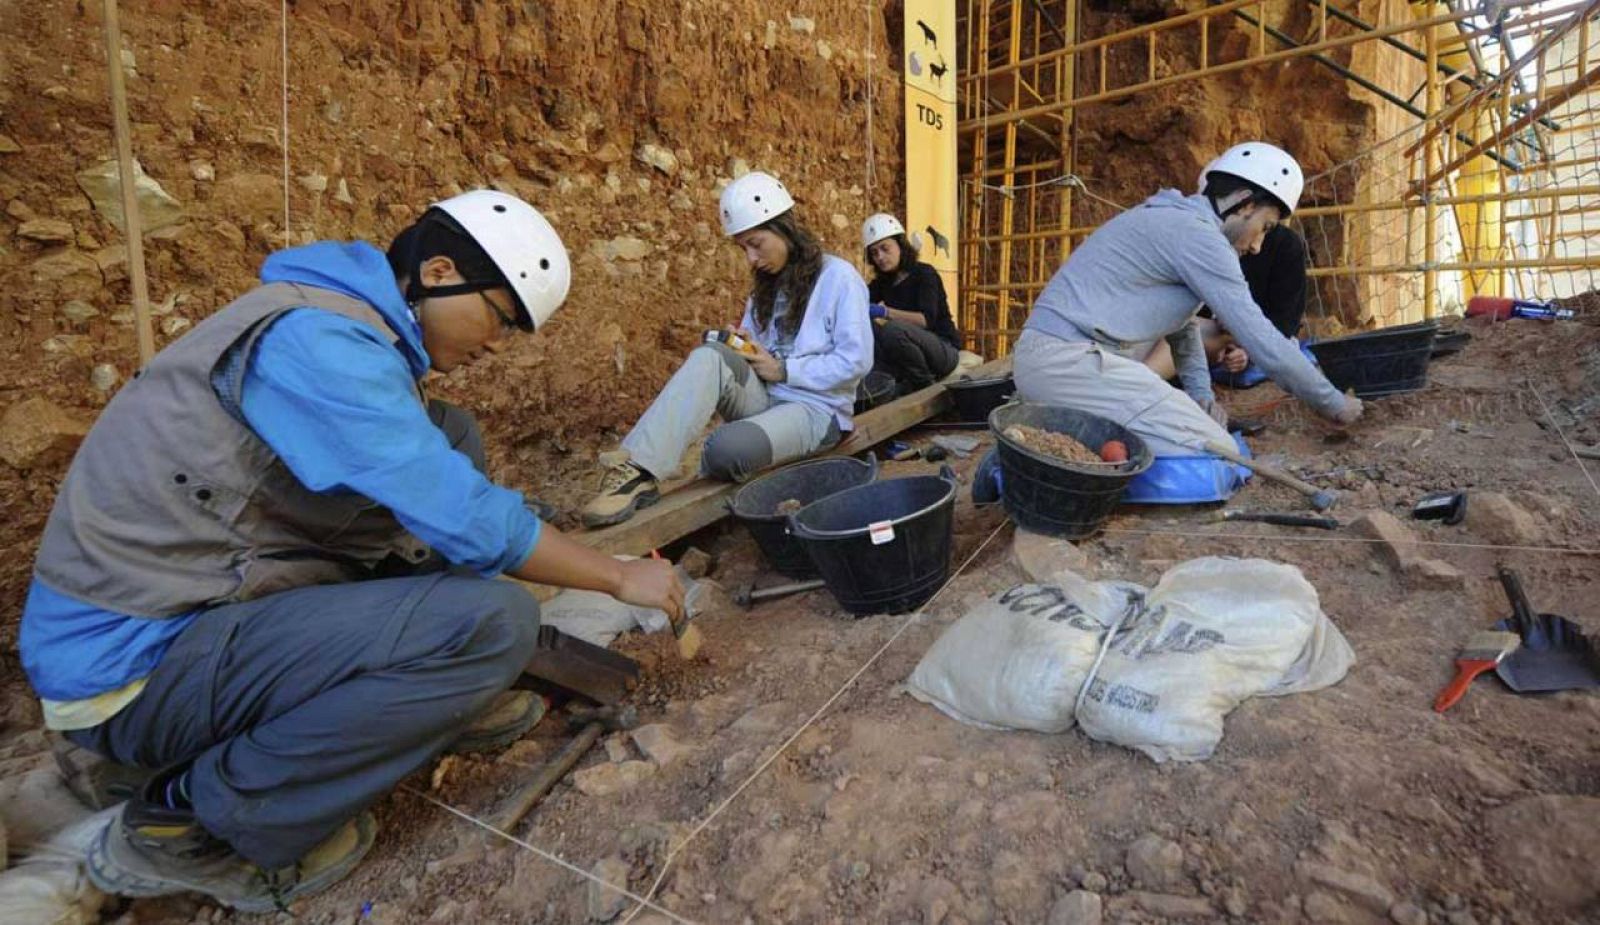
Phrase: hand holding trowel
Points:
(687, 634)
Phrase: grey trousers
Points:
(1089, 378)
(298, 710)
(915, 357)
(759, 432)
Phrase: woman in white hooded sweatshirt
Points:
(807, 321)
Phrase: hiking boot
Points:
(508, 719)
(154, 850)
(97, 781)
(626, 488)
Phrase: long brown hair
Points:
(795, 280)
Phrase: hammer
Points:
(596, 722)
(1321, 498)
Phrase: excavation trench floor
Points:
(881, 809)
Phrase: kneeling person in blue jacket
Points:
(242, 583)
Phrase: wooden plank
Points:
(697, 504)
(702, 502)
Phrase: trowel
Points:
(688, 635)
(1555, 654)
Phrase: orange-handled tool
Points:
(1483, 651)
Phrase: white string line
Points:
(283, 10)
(904, 625)
(559, 862)
(1567, 550)
(871, 177)
(1563, 435)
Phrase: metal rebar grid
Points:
(1483, 189)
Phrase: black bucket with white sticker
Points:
(883, 547)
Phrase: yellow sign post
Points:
(930, 136)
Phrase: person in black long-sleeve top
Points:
(914, 339)
(1277, 278)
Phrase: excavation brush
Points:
(1483, 652)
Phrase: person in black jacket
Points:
(914, 339)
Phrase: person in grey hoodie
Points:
(1141, 277)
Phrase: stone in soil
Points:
(1168, 906)
(1322, 908)
(1155, 862)
(1044, 557)
(1405, 913)
(1080, 907)
(1398, 546)
(763, 719)
(605, 902)
(1358, 888)
(1498, 519)
(605, 780)
(657, 743)
(37, 432)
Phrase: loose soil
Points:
(1051, 443)
(882, 809)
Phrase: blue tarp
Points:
(1189, 479)
(1169, 480)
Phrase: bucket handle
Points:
(872, 465)
(946, 474)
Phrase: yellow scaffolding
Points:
(1485, 189)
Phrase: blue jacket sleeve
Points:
(337, 403)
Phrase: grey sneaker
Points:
(508, 719)
(151, 850)
(625, 489)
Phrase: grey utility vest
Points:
(173, 503)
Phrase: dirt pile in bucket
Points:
(1054, 444)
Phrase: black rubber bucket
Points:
(1390, 361)
(883, 547)
(1052, 496)
(976, 398)
(756, 505)
(876, 388)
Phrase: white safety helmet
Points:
(880, 226)
(523, 246)
(1267, 166)
(751, 200)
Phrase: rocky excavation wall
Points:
(1129, 147)
(620, 120)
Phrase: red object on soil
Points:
(1114, 451)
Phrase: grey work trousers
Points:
(1091, 378)
(299, 709)
(759, 432)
